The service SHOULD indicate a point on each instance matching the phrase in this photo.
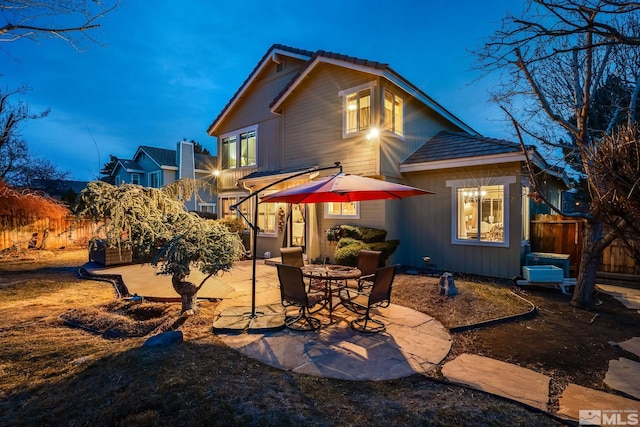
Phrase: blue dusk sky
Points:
(164, 70)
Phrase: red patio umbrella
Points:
(343, 188)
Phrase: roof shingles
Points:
(447, 145)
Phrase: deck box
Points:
(543, 273)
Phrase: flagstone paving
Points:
(413, 343)
(501, 378)
(576, 398)
(624, 375)
(631, 345)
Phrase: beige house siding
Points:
(254, 105)
(420, 124)
(426, 230)
(312, 126)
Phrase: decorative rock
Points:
(165, 338)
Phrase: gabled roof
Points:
(162, 156)
(128, 165)
(273, 52)
(315, 58)
(371, 67)
(455, 149)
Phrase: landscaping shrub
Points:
(354, 239)
(367, 235)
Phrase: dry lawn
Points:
(54, 374)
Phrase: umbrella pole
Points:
(246, 321)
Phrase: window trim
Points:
(393, 129)
(156, 174)
(137, 178)
(328, 215)
(454, 184)
(273, 233)
(344, 94)
(236, 133)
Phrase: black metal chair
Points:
(368, 263)
(293, 292)
(362, 302)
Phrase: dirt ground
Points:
(564, 342)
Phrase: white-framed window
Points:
(267, 218)
(480, 211)
(154, 179)
(207, 207)
(135, 178)
(342, 210)
(526, 214)
(239, 148)
(393, 113)
(356, 109)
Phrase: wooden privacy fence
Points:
(557, 234)
(60, 232)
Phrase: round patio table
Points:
(331, 274)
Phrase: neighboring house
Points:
(299, 109)
(156, 167)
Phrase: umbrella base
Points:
(243, 319)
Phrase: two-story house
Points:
(299, 109)
(155, 167)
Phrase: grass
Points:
(52, 374)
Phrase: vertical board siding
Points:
(254, 106)
(557, 234)
(427, 230)
(313, 123)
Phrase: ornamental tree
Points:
(160, 230)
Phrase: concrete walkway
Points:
(413, 343)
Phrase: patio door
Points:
(297, 231)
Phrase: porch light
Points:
(373, 133)
(215, 172)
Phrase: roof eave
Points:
(401, 82)
(273, 56)
(464, 162)
(310, 67)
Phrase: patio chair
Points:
(292, 256)
(293, 292)
(368, 263)
(363, 301)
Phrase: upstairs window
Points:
(239, 148)
(393, 113)
(248, 148)
(356, 109)
(229, 152)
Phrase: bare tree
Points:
(62, 19)
(554, 60)
(17, 165)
